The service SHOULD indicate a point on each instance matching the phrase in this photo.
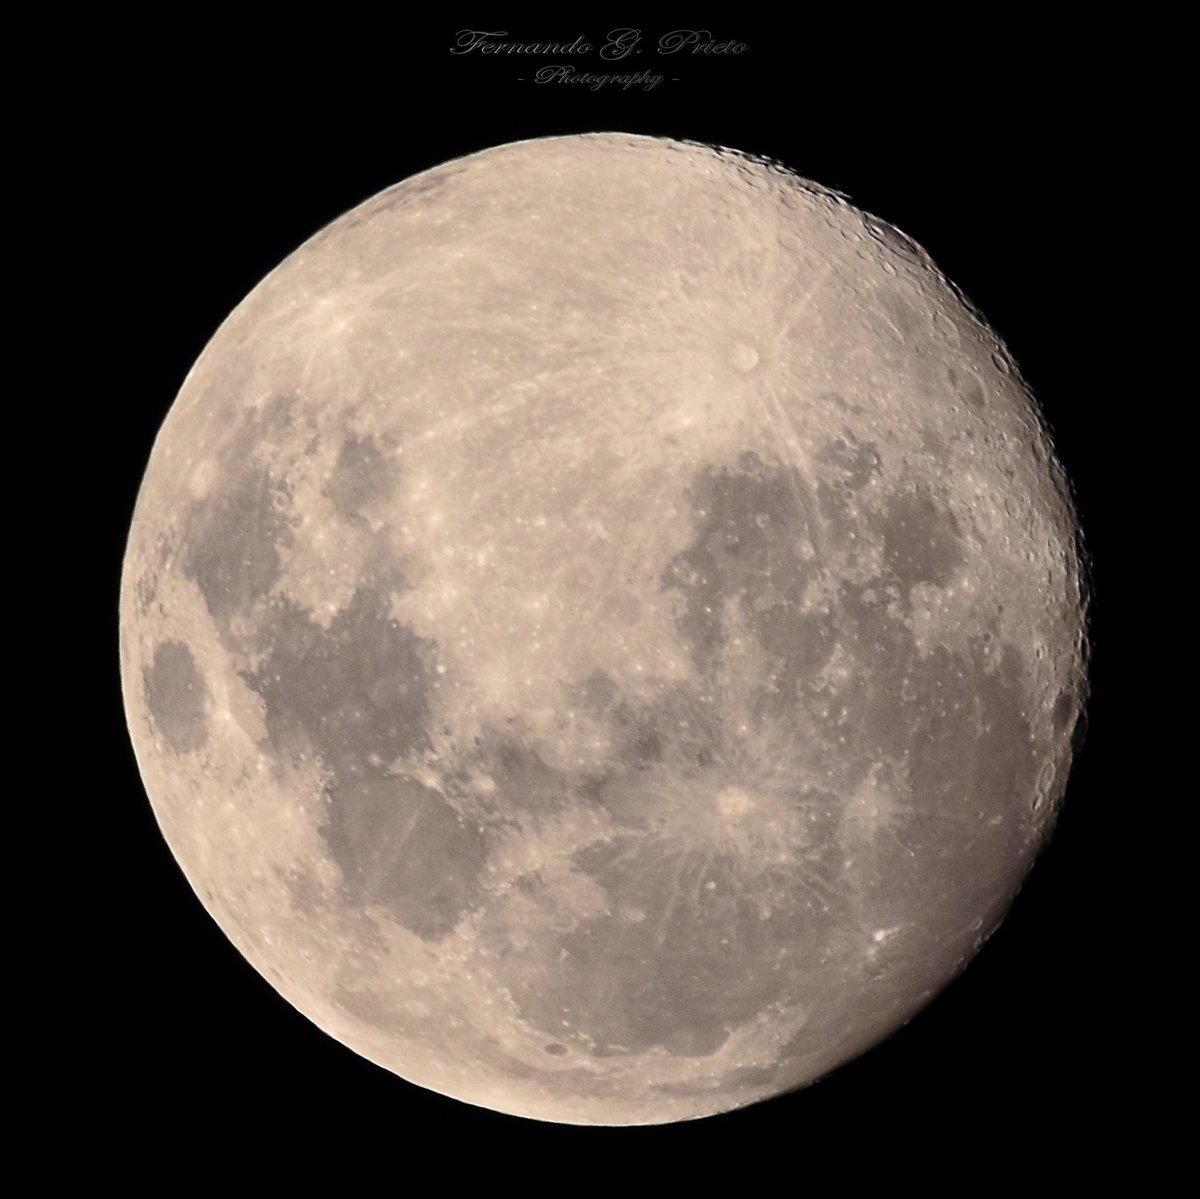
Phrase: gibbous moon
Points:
(602, 629)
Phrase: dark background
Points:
(169, 171)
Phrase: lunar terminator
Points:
(602, 629)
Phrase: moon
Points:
(603, 629)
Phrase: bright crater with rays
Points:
(602, 629)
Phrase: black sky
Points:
(168, 171)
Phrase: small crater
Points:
(733, 802)
(857, 461)
(146, 590)
(1063, 713)
(597, 691)
(744, 357)
(177, 697)
(901, 315)
(899, 243)
(647, 748)
(967, 386)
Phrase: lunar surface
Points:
(602, 629)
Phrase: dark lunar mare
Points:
(361, 475)
(946, 734)
(360, 693)
(233, 543)
(676, 963)
(696, 940)
(177, 697)
(754, 523)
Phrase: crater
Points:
(901, 315)
(146, 590)
(597, 692)
(744, 357)
(177, 697)
(733, 802)
(966, 386)
(855, 461)
(645, 732)
(900, 244)
(1065, 711)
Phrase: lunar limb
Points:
(602, 629)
